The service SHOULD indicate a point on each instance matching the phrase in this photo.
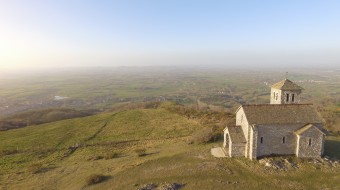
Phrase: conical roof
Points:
(286, 85)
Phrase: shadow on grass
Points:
(95, 179)
(47, 169)
(332, 148)
(39, 168)
(148, 154)
(106, 177)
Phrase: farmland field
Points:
(216, 89)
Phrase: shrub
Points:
(94, 179)
(203, 136)
(7, 152)
(95, 158)
(35, 168)
(140, 152)
(111, 155)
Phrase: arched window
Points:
(287, 97)
(293, 98)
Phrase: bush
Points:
(35, 168)
(7, 152)
(111, 155)
(95, 158)
(140, 152)
(203, 136)
(94, 179)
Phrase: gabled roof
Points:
(286, 85)
(306, 128)
(281, 114)
(236, 134)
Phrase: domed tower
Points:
(285, 92)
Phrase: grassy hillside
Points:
(142, 146)
(41, 116)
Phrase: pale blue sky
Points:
(71, 33)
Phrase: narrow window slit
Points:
(284, 140)
(261, 140)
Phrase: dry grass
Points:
(160, 132)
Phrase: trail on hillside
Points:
(73, 148)
(97, 132)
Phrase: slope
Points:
(41, 116)
(137, 147)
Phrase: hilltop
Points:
(131, 149)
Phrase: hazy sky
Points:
(76, 33)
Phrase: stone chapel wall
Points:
(310, 144)
(276, 139)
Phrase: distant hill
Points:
(37, 117)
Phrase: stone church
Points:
(283, 127)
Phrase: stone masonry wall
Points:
(281, 99)
(273, 139)
(237, 149)
(273, 99)
(226, 139)
(253, 138)
(290, 101)
(241, 120)
(315, 149)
